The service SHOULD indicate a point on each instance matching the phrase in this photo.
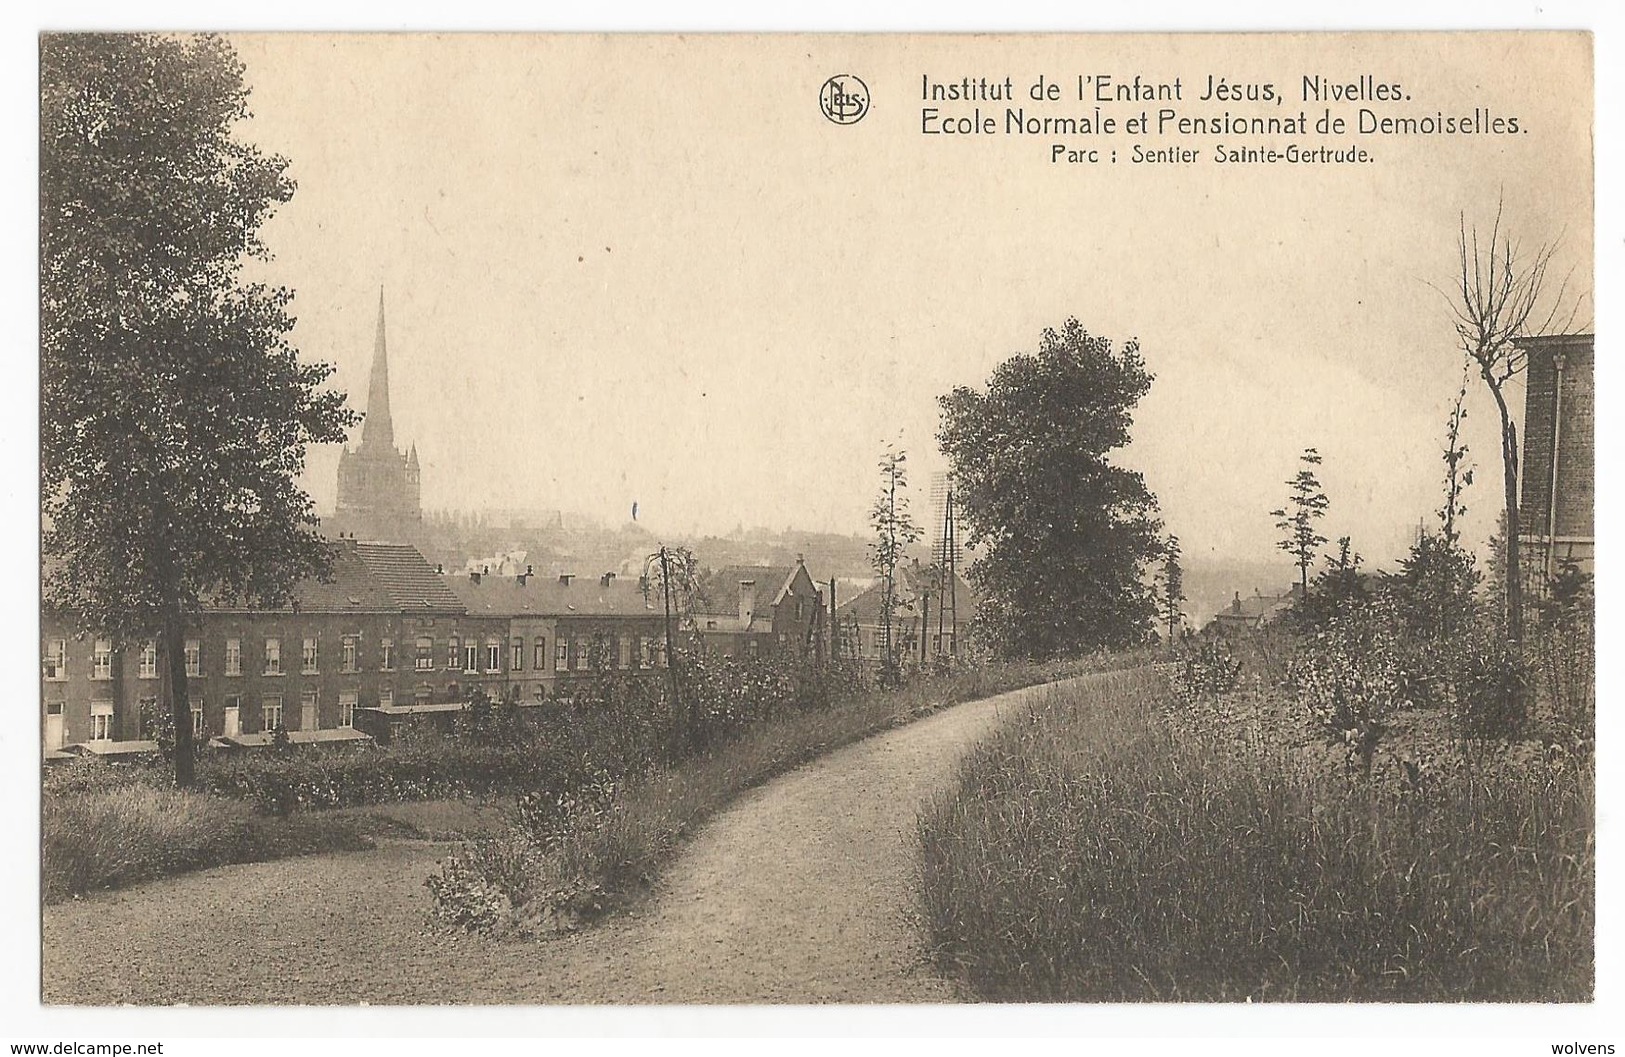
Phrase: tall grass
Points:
(1103, 848)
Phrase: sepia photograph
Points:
(790, 519)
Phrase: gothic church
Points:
(380, 493)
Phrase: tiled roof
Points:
(719, 592)
(538, 596)
(406, 577)
(349, 588)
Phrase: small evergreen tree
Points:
(1171, 589)
(1305, 505)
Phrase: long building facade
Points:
(382, 629)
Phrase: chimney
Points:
(606, 579)
(747, 601)
(565, 578)
(1235, 605)
(530, 570)
(485, 568)
(439, 569)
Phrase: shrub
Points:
(1205, 670)
(1491, 688)
(1349, 678)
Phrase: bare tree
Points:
(1502, 299)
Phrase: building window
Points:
(493, 655)
(582, 649)
(310, 713)
(101, 660)
(308, 664)
(234, 656)
(148, 667)
(232, 718)
(196, 701)
(751, 647)
(386, 697)
(347, 702)
(273, 656)
(561, 656)
(386, 648)
(351, 654)
(194, 657)
(471, 657)
(56, 659)
(541, 655)
(424, 660)
(271, 712)
(101, 721)
(454, 654)
(516, 661)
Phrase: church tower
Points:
(380, 493)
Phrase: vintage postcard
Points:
(538, 520)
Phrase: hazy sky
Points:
(629, 269)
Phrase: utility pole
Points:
(948, 598)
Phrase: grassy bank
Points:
(1107, 846)
(577, 860)
(96, 839)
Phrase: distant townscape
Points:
(514, 606)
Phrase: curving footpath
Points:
(801, 891)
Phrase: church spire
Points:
(377, 431)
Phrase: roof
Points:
(112, 748)
(349, 588)
(431, 708)
(295, 737)
(719, 592)
(1257, 608)
(912, 582)
(406, 577)
(540, 596)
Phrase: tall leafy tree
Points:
(895, 530)
(174, 412)
(1066, 536)
(1306, 504)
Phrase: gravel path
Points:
(800, 892)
